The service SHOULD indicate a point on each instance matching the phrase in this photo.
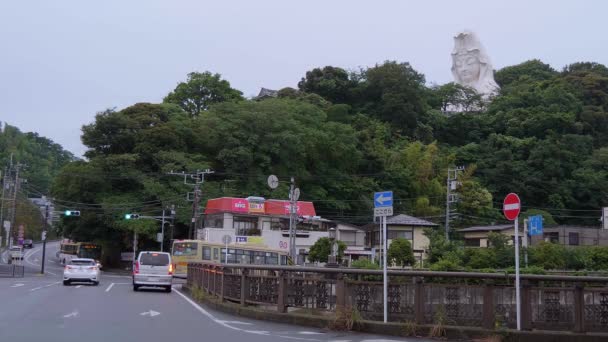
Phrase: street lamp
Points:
(332, 262)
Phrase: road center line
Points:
(41, 287)
(109, 287)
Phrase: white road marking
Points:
(205, 312)
(71, 314)
(310, 333)
(18, 285)
(236, 322)
(150, 313)
(257, 332)
(51, 260)
(109, 287)
(116, 276)
(29, 254)
(223, 323)
(78, 286)
(41, 287)
(298, 338)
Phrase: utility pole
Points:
(452, 183)
(199, 178)
(294, 195)
(2, 207)
(14, 209)
(44, 231)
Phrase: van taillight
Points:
(170, 269)
(136, 270)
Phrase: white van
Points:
(153, 269)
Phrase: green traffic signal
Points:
(131, 216)
(72, 213)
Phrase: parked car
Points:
(15, 253)
(28, 243)
(153, 269)
(81, 270)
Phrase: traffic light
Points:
(131, 216)
(72, 213)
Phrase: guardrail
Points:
(548, 302)
(11, 271)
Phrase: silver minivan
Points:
(153, 269)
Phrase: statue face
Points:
(467, 67)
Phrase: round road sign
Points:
(226, 239)
(511, 206)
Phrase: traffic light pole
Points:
(44, 229)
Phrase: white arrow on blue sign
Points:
(383, 199)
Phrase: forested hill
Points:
(344, 135)
(41, 157)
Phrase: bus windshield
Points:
(185, 248)
(90, 251)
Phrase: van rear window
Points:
(154, 259)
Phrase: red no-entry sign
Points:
(511, 206)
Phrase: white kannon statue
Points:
(471, 65)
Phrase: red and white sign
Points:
(511, 206)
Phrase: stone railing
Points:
(566, 303)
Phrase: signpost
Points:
(226, 239)
(511, 207)
(383, 207)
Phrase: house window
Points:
(279, 224)
(551, 237)
(405, 234)
(472, 242)
(247, 226)
(214, 221)
(348, 237)
(573, 239)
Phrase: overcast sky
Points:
(63, 61)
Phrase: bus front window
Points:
(185, 248)
(90, 252)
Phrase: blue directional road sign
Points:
(535, 225)
(383, 199)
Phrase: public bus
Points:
(71, 250)
(185, 251)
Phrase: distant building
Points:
(478, 236)
(573, 236)
(402, 226)
(265, 222)
(266, 93)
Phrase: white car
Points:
(81, 270)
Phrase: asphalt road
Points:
(40, 308)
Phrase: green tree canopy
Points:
(400, 252)
(200, 91)
(321, 250)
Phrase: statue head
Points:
(471, 65)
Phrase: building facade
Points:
(402, 226)
(573, 236)
(264, 222)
